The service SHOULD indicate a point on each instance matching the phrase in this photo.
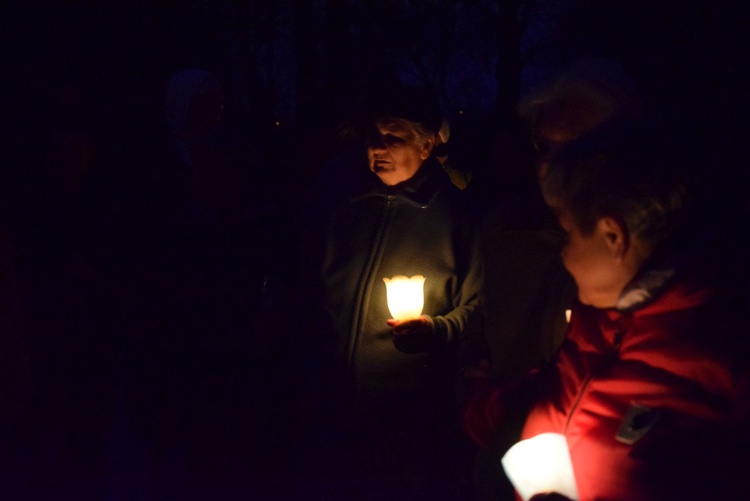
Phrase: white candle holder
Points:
(541, 464)
(405, 296)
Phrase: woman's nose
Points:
(375, 140)
(377, 145)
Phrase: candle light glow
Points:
(405, 296)
(541, 464)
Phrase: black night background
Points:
(122, 334)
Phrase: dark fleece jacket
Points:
(424, 226)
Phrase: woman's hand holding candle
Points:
(414, 335)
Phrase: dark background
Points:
(82, 281)
(305, 64)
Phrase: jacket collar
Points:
(419, 190)
(658, 278)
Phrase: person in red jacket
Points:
(650, 385)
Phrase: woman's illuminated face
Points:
(395, 153)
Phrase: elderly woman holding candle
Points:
(648, 392)
(387, 365)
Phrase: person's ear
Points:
(427, 147)
(615, 235)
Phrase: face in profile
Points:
(598, 261)
(395, 153)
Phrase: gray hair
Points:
(625, 172)
(418, 132)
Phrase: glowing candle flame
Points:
(541, 464)
(405, 296)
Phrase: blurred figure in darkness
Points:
(193, 298)
(576, 101)
(59, 263)
(442, 152)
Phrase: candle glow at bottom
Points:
(541, 464)
(405, 296)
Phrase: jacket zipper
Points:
(576, 403)
(365, 287)
(617, 341)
